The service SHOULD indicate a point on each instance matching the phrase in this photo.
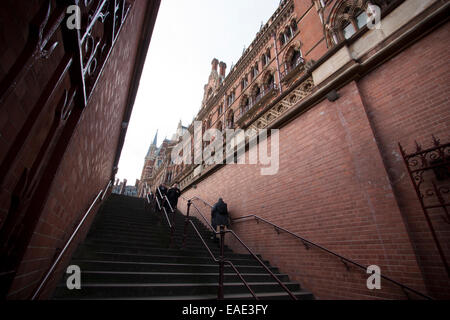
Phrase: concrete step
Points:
(171, 277)
(134, 266)
(115, 290)
(123, 257)
(95, 247)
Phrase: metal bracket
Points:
(406, 293)
(277, 230)
(305, 244)
(345, 264)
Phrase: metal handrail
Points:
(308, 242)
(162, 208)
(243, 244)
(342, 258)
(66, 246)
(223, 261)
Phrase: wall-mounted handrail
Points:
(221, 260)
(222, 233)
(307, 243)
(163, 208)
(68, 243)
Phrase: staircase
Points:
(126, 255)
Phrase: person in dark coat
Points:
(219, 216)
(173, 194)
(161, 194)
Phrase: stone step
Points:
(115, 290)
(122, 257)
(93, 247)
(134, 266)
(171, 277)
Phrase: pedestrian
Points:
(219, 216)
(173, 194)
(161, 193)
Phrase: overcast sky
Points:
(186, 38)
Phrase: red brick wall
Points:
(407, 99)
(342, 182)
(86, 166)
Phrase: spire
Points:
(155, 141)
(152, 147)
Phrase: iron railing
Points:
(222, 233)
(221, 260)
(99, 198)
(343, 259)
(162, 208)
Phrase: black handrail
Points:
(222, 233)
(221, 261)
(66, 246)
(342, 258)
(308, 242)
(162, 208)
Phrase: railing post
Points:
(186, 221)
(221, 263)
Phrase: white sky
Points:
(188, 34)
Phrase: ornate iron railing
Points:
(429, 170)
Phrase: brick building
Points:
(66, 95)
(344, 91)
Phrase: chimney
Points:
(214, 64)
(223, 69)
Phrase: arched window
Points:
(295, 59)
(282, 39)
(245, 105)
(265, 58)
(269, 81)
(294, 26)
(256, 93)
(244, 83)
(351, 16)
(230, 120)
(220, 109)
(288, 33)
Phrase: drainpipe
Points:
(278, 62)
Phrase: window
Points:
(244, 83)
(255, 71)
(266, 58)
(354, 24)
(294, 27)
(230, 120)
(270, 81)
(231, 98)
(296, 58)
(220, 109)
(245, 105)
(282, 39)
(288, 33)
